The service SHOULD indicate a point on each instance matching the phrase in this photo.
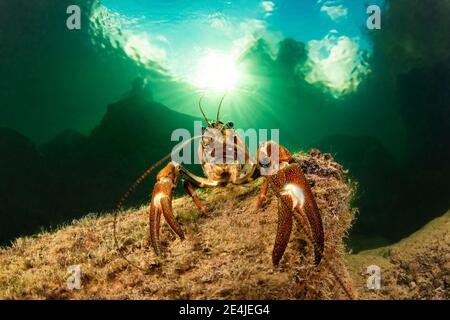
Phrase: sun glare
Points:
(216, 71)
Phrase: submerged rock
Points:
(418, 267)
(226, 255)
(23, 179)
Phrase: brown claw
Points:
(162, 204)
(283, 233)
(155, 221)
(166, 204)
(296, 199)
(293, 189)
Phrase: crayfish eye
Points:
(203, 129)
(229, 125)
(265, 162)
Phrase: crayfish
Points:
(225, 159)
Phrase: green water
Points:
(84, 112)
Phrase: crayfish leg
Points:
(190, 190)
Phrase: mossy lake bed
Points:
(227, 254)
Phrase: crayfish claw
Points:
(283, 233)
(162, 205)
(293, 190)
(295, 200)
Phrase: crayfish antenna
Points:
(220, 106)
(201, 110)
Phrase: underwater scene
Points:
(225, 149)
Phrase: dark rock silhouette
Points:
(127, 141)
(413, 35)
(63, 144)
(424, 104)
(72, 175)
(23, 177)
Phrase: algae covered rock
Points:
(418, 267)
(226, 254)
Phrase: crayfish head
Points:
(219, 125)
(216, 132)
